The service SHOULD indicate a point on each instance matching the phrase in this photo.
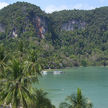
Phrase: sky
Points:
(57, 5)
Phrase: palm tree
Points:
(16, 85)
(2, 58)
(76, 101)
(41, 100)
(21, 47)
(33, 66)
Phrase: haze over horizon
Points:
(55, 5)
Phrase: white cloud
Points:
(52, 8)
(3, 4)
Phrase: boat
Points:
(57, 72)
(44, 72)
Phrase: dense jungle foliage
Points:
(87, 46)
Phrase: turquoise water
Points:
(92, 80)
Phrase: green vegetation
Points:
(42, 101)
(18, 72)
(76, 101)
(16, 78)
(84, 45)
(31, 40)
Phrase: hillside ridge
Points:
(74, 37)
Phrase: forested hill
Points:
(61, 39)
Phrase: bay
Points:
(93, 82)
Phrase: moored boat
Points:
(44, 72)
(57, 72)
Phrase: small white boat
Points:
(57, 72)
(44, 72)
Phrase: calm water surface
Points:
(92, 80)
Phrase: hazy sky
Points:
(56, 5)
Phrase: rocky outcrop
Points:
(22, 18)
(41, 26)
(14, 34)
(73, 24)
(2, 28)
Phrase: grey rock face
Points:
(40, 26)
(73, 24)
(2, 28)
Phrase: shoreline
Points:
(50, 70)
